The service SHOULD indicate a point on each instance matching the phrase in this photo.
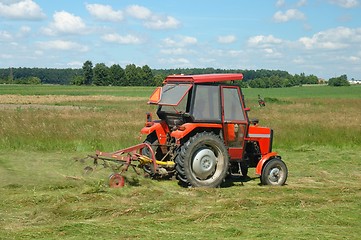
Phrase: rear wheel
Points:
(202, 161)
(274, 172)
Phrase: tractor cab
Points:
(199, 99)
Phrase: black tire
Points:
(202, 161)
(274, 172)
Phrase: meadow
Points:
(45, 194)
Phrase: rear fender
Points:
(160, 128)
(188, 128)
(264, 160)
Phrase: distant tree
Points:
(78, 80)
(158, 79)
(132, 75)
(101, 75)
(34, 80)
(312, 79)
(88, 72)
(339, 81)
(117, 75)
(147, 76)
(28, 80)
(256, 83)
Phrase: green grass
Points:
(352, 92)
(250, 93)
(44, 193)
(75, 90)
(45, 196)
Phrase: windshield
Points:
(173, 94)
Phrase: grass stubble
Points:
(44, 194)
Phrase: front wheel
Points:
(274, 172)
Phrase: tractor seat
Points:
(254, 121)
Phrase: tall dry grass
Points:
(334, 122)
(81, 125)
(86, 123)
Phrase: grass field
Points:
(44, 194)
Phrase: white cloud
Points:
(353, 59)
(104, 12)
(280, 3)
(332, 39)
(345, 3)
(298, 60)
(290, 14)
(75, 64)
(6, 56)
(262, 40)
(4, 35)
(301, 3)
(23, 31)
(150, 19)
(227, 39)
(235, 53)
(207, 60)
(268, 50)
(62, 45)
(139, 12)
(162, 22)
(271, 53)
(116, 38)
(180, 41)
(21, 10)
(39, 53)
(175, 61)
(176, 51)
(64, 22)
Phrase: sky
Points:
(319, 37)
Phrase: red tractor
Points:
(202, 136)
(204, 129)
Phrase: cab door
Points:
(235, 122)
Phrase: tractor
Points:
(202, 135)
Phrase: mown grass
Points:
(45, 194)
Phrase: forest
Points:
(132, 75)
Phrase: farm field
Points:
(44, 193)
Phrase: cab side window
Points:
(232, 105)
(207, 104)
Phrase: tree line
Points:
(132, 75)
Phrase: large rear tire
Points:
(274, 172)
(202, 161)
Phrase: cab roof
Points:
(204, 78)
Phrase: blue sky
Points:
(320, 37)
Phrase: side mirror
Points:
(247, 109)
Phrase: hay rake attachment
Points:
(126, 158)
